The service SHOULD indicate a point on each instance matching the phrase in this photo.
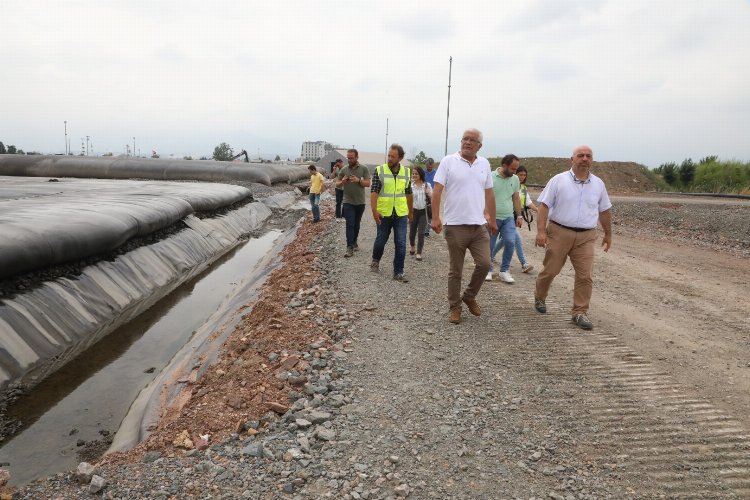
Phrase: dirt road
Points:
(398, 402)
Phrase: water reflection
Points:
(94, 391)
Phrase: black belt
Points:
(576, 229)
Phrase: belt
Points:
(576, 229)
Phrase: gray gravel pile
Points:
(718, 226)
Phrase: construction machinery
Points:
(241, 153)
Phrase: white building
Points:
(315, 150)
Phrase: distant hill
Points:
(618, 176)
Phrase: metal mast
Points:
(448, 113)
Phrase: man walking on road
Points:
(391, 203)
(506, 186)
(317, 182)
(466, 180)
(353, 179)
(337, 166)
(573, 202)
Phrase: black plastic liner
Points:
(158, 169)
(44, 223)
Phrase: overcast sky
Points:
(643, 80)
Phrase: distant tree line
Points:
(709, 175)
(10, 150)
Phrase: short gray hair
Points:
(476, 131)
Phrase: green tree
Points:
(669, 172)
(20, 152)
(11, 149)
(187, 157)
(687, 172)
(708, 159)
(278, 158)
(2, 149)
(420, 159)
(223, 152)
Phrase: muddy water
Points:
(88, 398)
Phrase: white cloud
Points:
(640, 80)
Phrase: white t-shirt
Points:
(574, 203)
(464, 187)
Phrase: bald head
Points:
(582, 150)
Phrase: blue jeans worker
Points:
(317, 182)
(506, 188)
(392, 204)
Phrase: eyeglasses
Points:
(584, 155)
(470, 139)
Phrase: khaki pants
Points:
(476, 239)
(579, 246)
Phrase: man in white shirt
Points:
(465, 179)
(573, 202)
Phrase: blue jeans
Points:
(353, 216)
(519, 248)
(315, 205)
(506, 230)
(339, 202)
(398, 225)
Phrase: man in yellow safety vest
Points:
(391, 203)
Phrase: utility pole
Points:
(87, 145)
(133, 146)
(386, 139)
(66, 137)
(448, 114)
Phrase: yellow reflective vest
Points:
(393, 191)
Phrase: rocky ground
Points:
(342, 383)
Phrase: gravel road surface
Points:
(386, 399)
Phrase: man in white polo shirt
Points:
(465, 179)
(573, 202)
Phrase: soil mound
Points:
(618, 176)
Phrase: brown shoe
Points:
(455, 316)
(473, 306)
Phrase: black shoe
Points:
(355, 247)
(349, 252)
(540, 306)
(582, 322)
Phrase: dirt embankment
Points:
(618, 176)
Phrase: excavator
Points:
(241, 153)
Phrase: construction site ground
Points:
(344, 383)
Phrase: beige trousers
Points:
(460, 238)
(579, 246)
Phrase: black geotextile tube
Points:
(130, 168)
(83, 218)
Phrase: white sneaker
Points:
(489, 276)
(506, 277)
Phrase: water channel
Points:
(87, 399)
